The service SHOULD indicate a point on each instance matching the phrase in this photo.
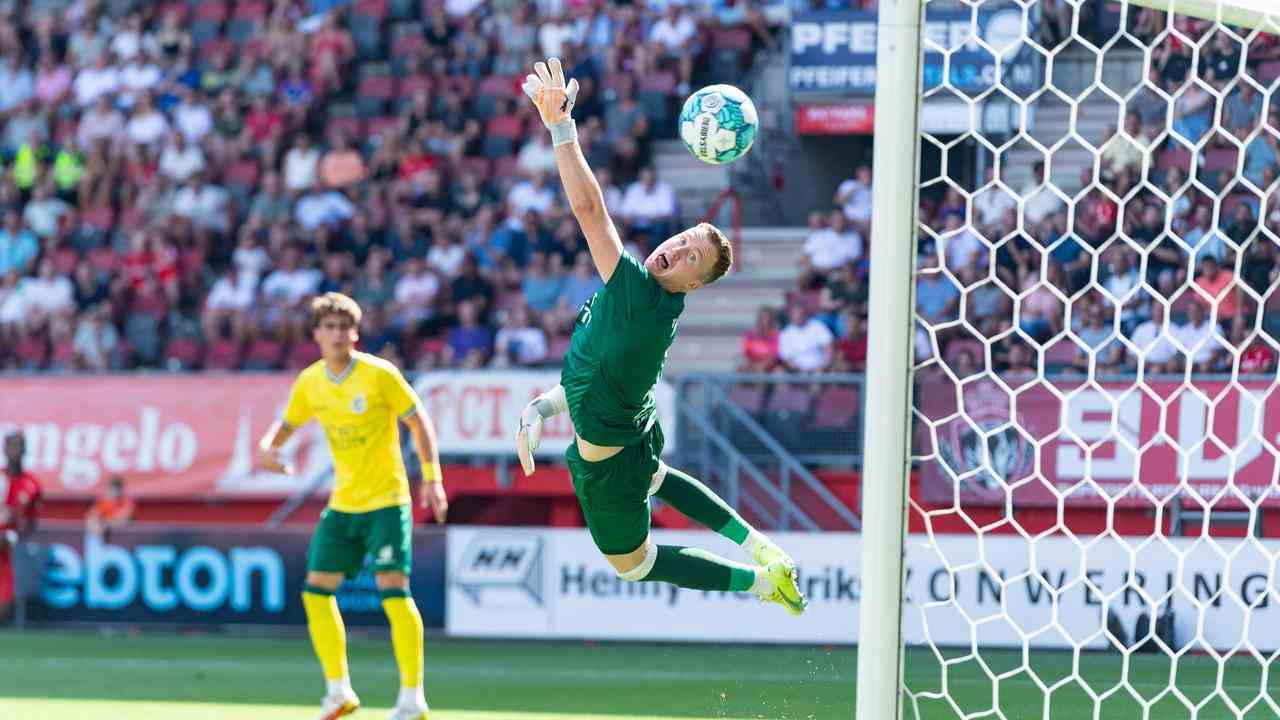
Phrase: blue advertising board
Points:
(209, 575)
(834, 51)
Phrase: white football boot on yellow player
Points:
(408, 712)
(336, 705)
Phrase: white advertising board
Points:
(553, 583)
(478, 412)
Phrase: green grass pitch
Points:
(74, 676)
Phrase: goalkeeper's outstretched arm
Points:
(554, 101)
(529, 436)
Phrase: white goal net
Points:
(1094, 523)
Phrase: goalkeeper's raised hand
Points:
(554, 98)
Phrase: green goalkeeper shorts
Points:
(342, 540)
(614, 492)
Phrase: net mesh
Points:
(1097, 412)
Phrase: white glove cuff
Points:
(563, 132)
(552, 402)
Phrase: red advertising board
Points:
(1088, 444)
(180, 435)
(835, 119)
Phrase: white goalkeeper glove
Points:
(554, 99)
(529, 435)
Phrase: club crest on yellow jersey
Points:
(359, 404)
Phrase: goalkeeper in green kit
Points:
(619, 346)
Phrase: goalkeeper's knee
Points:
(641, 571)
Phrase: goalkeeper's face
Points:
(683, 262)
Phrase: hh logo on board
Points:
(500, 570)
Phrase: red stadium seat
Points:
(101, 217)
(65, 260)
(184, 352)
(734, 38)
(64, 356)
(374, 9)
(243, 173)
(1269, 71)
(251, 10)
(352, 127)
(955, 347)
(263, 354)
(213, 48)
(210, 10)
(836, 408)
(792, 399)
(32, 353)
(1219, 159)
(223, 355)
(1175, 156)
(749, 397)
(408, 45)
(375, 126)
(477, 165)
(103, 259)
(412, 84)
(301, 354)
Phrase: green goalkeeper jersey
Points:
(619, 346)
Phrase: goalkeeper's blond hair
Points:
(724, 252)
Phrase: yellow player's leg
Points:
(406, 641)
(329, 638)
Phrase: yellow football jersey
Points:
(359, 411)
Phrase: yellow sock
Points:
(328, 634)
(406, 635)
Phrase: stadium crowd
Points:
(1194, 241)
(180, 178)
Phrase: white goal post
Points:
(1227, 621)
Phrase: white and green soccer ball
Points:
(718, 124)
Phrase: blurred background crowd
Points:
(1202, 251)
(179, 178)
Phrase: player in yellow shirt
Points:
(358, 399)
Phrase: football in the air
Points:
(718, 124)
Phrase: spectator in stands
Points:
(828, 248)
(1242, 110)
(322, 208)
(111, 511)
(1039, 201)
(1101, 346)
(760, 343)
(534, 194)
(1122, 152)
(1122, 281)
(1220, 60)
(342, 166)
(285, 287)
(937, 297)
(416, 293)
(469, 285)
(93, 82)
(96, 342)
(537, 155)
(229, 303)
(301, 165)
(203, 203)
(962, 246)
(181, 160)
(48, 294)
(101, 123)
(674, 36)
(854, 197)
(1152, 344)
(540, 287)
(649, 206)
(993, 201)
(1219, 290)
(851, 348)
(271, 204)
(1256, 355)
(1196, 337)
(988, 306)
(469, 344)
(1041, 310)
(805, 344)
(1261, 154)
(1193, 113)
(17, 84)
(44, 211)
(579, 285)
(519, 341)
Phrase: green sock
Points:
(697, 502)
(699, 570)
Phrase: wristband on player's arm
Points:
(431, 473)
(563, 132)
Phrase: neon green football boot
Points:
(786, 587)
